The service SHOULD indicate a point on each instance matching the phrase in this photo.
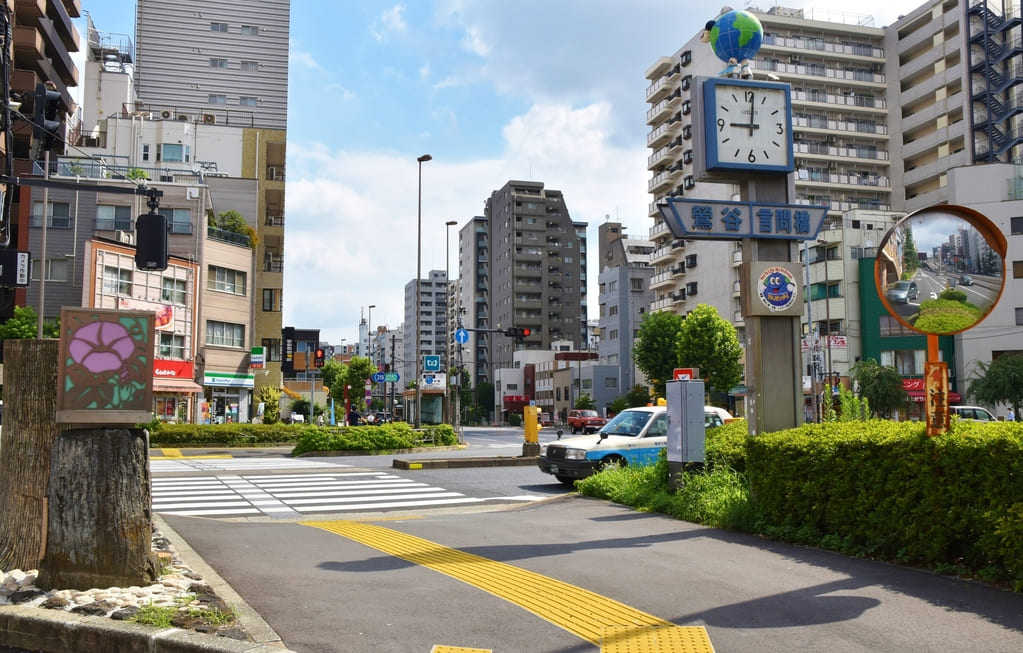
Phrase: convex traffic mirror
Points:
(941, 270)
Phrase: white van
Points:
(973, 413)
(632, 437)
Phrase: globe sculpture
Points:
(735, 36)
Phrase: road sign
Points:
(431, 363)
(428, 380)
(685, 374)
(378, 377)
(391, 377)
(720, 220)
(461, 336)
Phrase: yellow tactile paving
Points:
(458, 649)
(617, 627)
(176, 454)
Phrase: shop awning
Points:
(917, 396)
(176, 385)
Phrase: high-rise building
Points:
(428, 336)
(624, 297)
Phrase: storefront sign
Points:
(228, 380)
(166, 368)
(257, 359)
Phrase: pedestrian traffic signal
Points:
(517, 332)
(45, 120)
(318, 359)
(151, 242)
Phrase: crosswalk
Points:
(293, 495)
(228, 464)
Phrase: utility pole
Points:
(394, 339)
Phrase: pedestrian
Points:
(1010, 416)
(319, 420)
(353, 417)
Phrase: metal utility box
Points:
(686, 427)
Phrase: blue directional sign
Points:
(720, 220)
(431, 363)
(378, 377)
(461, 336)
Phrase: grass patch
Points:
(163, 616)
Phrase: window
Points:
(145, 152)
(690, 260)
(180, 220)
(1017, 269)
(691, 288)
(272, 299)
(225, 334)
(218, 27)
(175, 152)
(109, 218)
(59, 217)
(172, 345)
(216, 98)
(272, 349)
(246, 101)
(226, 280)
(218, 63)
(613, 334)
(613, 310)
(250, 66)
(250, 30)
(1019, 316)
(116, 281)
(892, 327)
(56, 269)
(173, 291)
(907, 362)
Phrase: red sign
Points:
(165, 368)
(685, 374)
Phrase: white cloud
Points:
(391, 21)
(474, 42)
(304, 59)
(352, 216)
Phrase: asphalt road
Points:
(322, 591)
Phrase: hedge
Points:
(177, 435)
(385, 437)
(885, 488)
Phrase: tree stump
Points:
(100, 522)
(29, 430)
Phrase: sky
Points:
(540, 90)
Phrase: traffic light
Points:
(151, 242)
(517, 332)
(45, 121)
(318, 358)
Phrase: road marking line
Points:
(177, 455)
(595, 618)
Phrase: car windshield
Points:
(902, 285)
(628, 422)
(587, 413)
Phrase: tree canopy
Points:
(881, 386)
(709, 342)
(654, 350)
(25, 324)
(998, 382)
(355, 373)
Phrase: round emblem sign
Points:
(776, 288)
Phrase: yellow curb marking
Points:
(440, 648)
(415, 465)
(177, 455)
(616, 627)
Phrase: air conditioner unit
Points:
(209, 118)
(182, 117)
(166, 115)
(192, 193)
(126, 237)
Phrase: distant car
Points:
(973, 413)
(382, 417)
(902, 292)
(965, 280)
(722, 414)
(586, 421)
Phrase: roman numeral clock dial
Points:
(748, 125)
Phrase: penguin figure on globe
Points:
(735, 36)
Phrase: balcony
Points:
(661, 280)
(273, 264)
(232, 237)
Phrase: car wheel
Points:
(565, 480)
(613, 459)
(574, 430)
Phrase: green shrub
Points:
(178, 435)
(385, 437)
(514, 419)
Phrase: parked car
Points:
(973, 413)
(965, 280)
(902, 292)
(723, 414)
(382, 417)
(585, 421)
(632, 437)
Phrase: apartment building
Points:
(428, 335)
(624, 298)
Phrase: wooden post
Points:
(29, 431)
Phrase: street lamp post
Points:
(419, 283)
(369, 349)
(447, 306)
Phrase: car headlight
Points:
(575, 454)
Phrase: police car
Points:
(632, 437)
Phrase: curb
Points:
(454, 463)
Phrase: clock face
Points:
(749, 126)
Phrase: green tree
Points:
(998, 382)
(355, 374)
(655, 350)
(910, 258)
(271, 399)
(585, 402)
(881, 386)
(709, 342)
(25, 324)
(637, 396)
